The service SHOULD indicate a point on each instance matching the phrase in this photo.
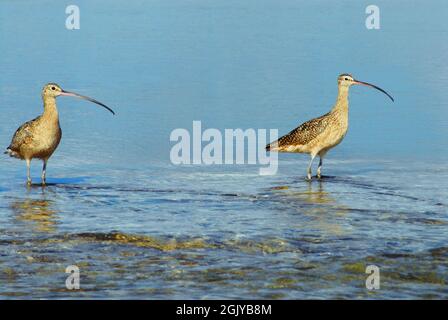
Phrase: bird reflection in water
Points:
(317, 204)
(39, 213)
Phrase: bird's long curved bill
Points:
(73, 94)
(373, 86)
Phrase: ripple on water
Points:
(222, 238)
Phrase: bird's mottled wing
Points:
(303, 134)
(22, 135)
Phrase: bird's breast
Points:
(333, 134)
(45, 140)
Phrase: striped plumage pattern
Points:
(301, 135)
(23, 135)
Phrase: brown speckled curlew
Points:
(40, 137)
(317, 136)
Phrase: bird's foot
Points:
(318, 173)
(308, 177)
(28, 182)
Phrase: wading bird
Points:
(317, 136)
(40, 137)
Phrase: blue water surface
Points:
(140, 227)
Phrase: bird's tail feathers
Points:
(273, 146)
(10, 152)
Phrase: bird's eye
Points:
(53, 88)
(346, 78)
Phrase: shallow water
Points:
(139, 227)
(229, 234)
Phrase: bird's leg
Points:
(319, 168)
(44, 172)
(309, 167)
(28, 173)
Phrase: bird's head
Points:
(346, 80)
(53, 90)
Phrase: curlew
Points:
(40, 137)
(317, 136)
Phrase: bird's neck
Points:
(50, 109)
(341, 104)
